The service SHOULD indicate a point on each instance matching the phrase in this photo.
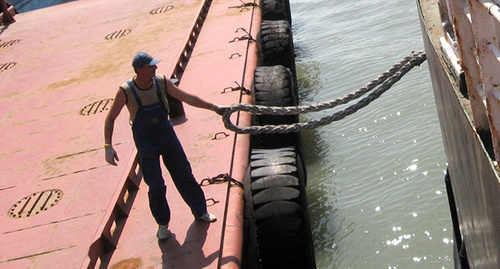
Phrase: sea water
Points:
(375, 189)
(29, 5)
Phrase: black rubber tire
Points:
(277, 44)
(274, 161)
(289, 224)
(274, 80)
(276, 10)
(275, 209)
(274, 170)
(274, 254)
(274, 86)
(279, 209)
(275, 181)
(279, 97)
(276, 194)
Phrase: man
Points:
(145, 96)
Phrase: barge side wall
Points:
(474, 178)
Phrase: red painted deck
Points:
(55, 62)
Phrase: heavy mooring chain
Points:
(385, 80)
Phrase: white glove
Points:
(219, 109)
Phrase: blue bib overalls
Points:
(154, 136)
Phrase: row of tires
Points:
(276, 197)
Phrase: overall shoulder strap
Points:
(158, 92)
(137, 99)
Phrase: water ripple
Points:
(375, 187)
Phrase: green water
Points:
(376, 179)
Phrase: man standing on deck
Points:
(145, 96)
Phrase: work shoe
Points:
(207, 217)
(163, 232)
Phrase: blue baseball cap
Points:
(142, 58)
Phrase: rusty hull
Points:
(474, 176)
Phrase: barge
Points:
(462, 47)
(62, 206)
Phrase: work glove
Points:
(111, 155)
(219, 109)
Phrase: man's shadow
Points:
(3, 27)
(190, 253)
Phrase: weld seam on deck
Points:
(38, 254)
(49, 223)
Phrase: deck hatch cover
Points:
(35, 203)
(162, 9)
(96, 107)
(118, 34)
(7, 66)
(9, 43)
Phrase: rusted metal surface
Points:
(59, 69)
(459, 16)
(471, 28)
(473, 170)
(486, 30)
